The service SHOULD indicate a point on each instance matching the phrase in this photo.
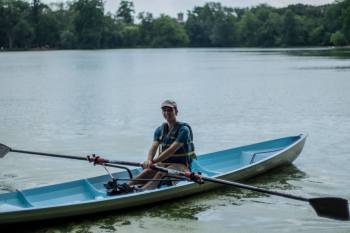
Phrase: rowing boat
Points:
(86, 196)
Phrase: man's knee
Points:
(178, 166)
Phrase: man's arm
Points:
(168, 152)
(181, 139)
(153, 150)
(151, 153)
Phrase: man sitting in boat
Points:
(174, 140)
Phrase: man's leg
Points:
(160, 175)
(145, 174)
(154, 184)
(178, 166)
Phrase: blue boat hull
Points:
(88, 196)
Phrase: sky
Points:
(172, 7)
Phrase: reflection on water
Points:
(340, 53)
(315, 52)
(325, 68)
(279, 178)
(178, 209)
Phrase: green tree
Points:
(48, 29)
(270, 31)
(268, 24)
(197, 31)
(338, 39)
(289, 29)
(24, 34)
(345, 18)
(36, 12)
(88, 23)
(211, 25)
(332, 21)
(67, 40)
(224, 32)
(112, 36)
(169, 33)
(125, 12)
(200, 23)
(146, 29)
(130, 36)
(15, 30)
(64, 16)
(45, 25)
(248, 28)
(318, 36)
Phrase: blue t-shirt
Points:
(183, 136)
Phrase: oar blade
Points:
(331, 207)
(4, 150)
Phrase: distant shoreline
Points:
(83, 24)
(296, 47)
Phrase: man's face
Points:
(169, 113)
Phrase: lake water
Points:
(108, 102)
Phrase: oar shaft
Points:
(329, 207)
(50, 155)
(253, 188)
(78, 158)
(104, 161)
(231, 183)
(135, 164)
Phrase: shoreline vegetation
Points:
(84, 24)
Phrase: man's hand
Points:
(147, 164)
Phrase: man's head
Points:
(169, 109)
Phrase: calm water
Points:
(107, 102)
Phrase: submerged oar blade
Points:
(4, 150)
(331, 207)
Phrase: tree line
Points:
(83, 24)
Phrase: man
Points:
(173, 139)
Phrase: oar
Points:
(328, 207)
(5, 149)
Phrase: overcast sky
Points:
(172, 7)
